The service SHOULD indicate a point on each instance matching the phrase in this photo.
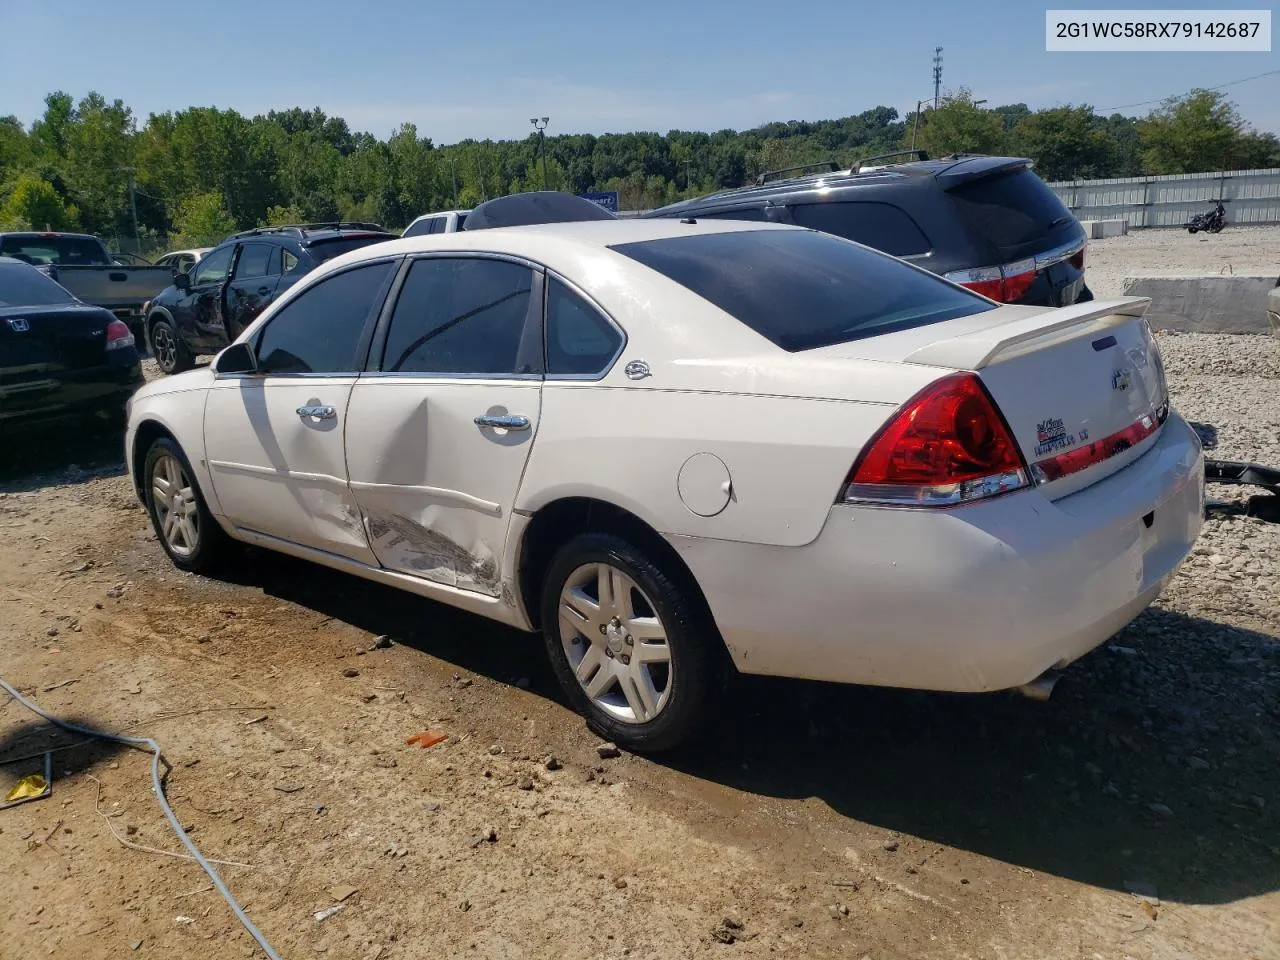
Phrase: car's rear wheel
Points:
(181, 518)
(628, 643)
(172, 355)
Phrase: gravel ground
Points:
(1244, 251)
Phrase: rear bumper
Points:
(101, 390)
(977, 598)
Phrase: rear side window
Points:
(463, 315)
(804, 290)
(255, 261)
(324, 250)
(319, 330)
(1010, 209)
(879, 225)
(419, 228)
(580, 342)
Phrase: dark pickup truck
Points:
(59, 358)
(82, 264)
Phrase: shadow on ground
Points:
(60, 454)
(1157, 758)
(22, 748)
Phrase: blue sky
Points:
(483, 69)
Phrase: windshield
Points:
(63, 251)
(803, 289)
(328, 249)
(23, 286)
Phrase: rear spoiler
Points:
(968, 169)
(983, 348)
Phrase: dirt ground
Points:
(810, 821)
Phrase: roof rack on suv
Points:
(302, 229)
(861, 162)
(828, 165)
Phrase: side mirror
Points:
(237, 358)
(182, 280)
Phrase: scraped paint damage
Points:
(404, 543)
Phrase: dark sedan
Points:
(59, 358)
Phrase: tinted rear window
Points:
(802, 289)
(63, 251)
(1010, 209)
(23, 286)
(879, 225)
(328, 249)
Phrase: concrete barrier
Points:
(1108, 228)
(1205, 304)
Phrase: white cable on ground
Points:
(157, 788)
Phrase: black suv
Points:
(988, 223)
(208, 307)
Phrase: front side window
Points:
(464, 315)
(213, 268)
(580, 342)
(319, 330)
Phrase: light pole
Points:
(133, 208)
(540, 124)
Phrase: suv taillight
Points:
(948, 444)
(118, 335)
(1005, 284)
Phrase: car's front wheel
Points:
(172, 355)
(181, 518)
(629, 643)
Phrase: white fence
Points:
(1249, 196)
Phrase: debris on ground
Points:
(328, 912)
(30, 787)
(383, 642)
(427, 738)
(607, 751)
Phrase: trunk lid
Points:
(39, 343)
(1082, 387)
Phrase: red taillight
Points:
(948, 444)
(118, 335)
(1005, 284)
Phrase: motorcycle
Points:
(1211, 222)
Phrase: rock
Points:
(890, 845)
(838, 910)
(135, 945)
(350, 672)
(607, 751)
(1196, 763)
(621, 884)
(383, 642)
(525, 783)
(340, 893)
(464, 682)
(488, 834)
(495, 750)
(1160, 809)
(431, 806)
(552, 763)
(51, 632)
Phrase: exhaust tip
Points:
(1041, 688)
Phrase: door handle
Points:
(503, 422)
(317, 412)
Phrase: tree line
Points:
(202, 173)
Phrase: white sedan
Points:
(673, 446)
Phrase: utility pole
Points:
(540, 124)
(688, 175)
(454, 177)
(937, 75)
(133, 209)
(916, 126)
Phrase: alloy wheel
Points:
(165, 346)
(616, 643)
(177, 512)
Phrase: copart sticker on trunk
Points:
(1051, 435)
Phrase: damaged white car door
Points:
(440, 428)
(274, 437)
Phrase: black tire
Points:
(171, 354)
(213, 545)
(1217, 228)
(1086, 295)
(1192, 229)
(695, 667)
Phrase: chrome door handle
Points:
(504, 423)
(317, 412)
